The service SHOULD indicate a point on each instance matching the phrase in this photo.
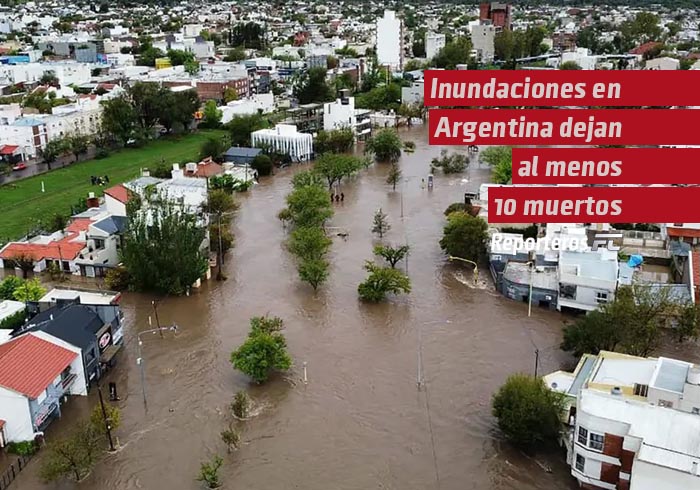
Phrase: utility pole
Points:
(155, 313)
(537, 360)
(108, 427)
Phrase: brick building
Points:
(499, 13)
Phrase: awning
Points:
(109, 353)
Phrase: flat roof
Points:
(670, 375)
(86, 297)
(542, 277)
(624, 371)
(671, 438)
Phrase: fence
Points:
(9, 475)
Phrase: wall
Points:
(338, 116)
(483, 41)
(647, 476)
(14, 410)
(389, 40)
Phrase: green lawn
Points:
(22, 202)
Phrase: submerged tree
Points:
(264, 351)
(393, 255)
(209, 472)
(382, 281)
(394, 176)
(385, 146)
(162, 248)
(380, 223)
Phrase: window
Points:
(601, 298)
(580, 462)
(597, 441)
(567, 291)
(582, 436)
(665, 403)
(641, 390)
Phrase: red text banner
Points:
(561, 88)
(606, 165)
(542, 204)
(564, 127)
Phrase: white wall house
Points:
(285, 139)
(50, 369)
(586, 279)
(257, 103)
(483, 36)
(390, 41)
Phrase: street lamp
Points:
(476, 267)
(140, 360)
(531, 265)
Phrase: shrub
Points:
(262, 164)
(240, 406)
(117, 279)
(23, 448)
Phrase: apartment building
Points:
(633, 423)
(389, 41)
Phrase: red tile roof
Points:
(8, 149)
(206, 168)
(645, 47)
(28, 364)
(67, 248)
(118, 192)
(683, 232)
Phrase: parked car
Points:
(19, 166)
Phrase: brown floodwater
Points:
(360, 422)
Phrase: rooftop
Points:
(28, 364)
(85, 297)
(670, 438)
(542, 277)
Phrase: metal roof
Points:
(670, 375)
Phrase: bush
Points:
(117, 279)
(529, 414)
(240, 406)
(264, 351)
(262, 164)
(101, 153)
(8, 286)
(23, 448)
(13, 322)
(385, 146)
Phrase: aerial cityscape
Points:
(232, 254)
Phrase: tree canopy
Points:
(464, 236)
(385, 145)
(312, 87)
(264, 351)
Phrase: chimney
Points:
(695, 470)
(616, 391)
(176, 173)
(92, 201)
(145, 173)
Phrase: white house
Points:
(663, 63)
(633, 422)
(483, 36)
(37, 371)
(390, 41)
(586, 279)
(285, 139)
(342, 114)
(257, 103)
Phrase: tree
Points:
(119, 119)
(309, 243)
(146, 99)
(177, 108)
(393, 255)
(688, 326)
(382, 281)
(8, 286)
(309, 206)
(500, 159)
(334, 141)
(464, 236)
(240, 406)
(148, 56)
(380, 223)
(240, 128)
(73, 456)
(192, 67)
(55, 222)
(263, 352)
(305, 178)
(162, 247)
(459, 206)
(212, 147)
(235, 54)
(212, 115)
(334, 167)
(219, 202)
(394, 176)
(456, 52)
(54, 149)
(97, 418)
(30, 290)
(262, 164)
(569, 65)
(504, 45)
(209, 472)
(385, 146)
(451, 164)
(232, 438)
(179, 57)
(385, 97)
(313, 271)
(529, 414)
(78, 145)
(312, 87)
(230, 94)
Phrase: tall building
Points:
(390, 41)
(433, 44)
(483, 36)
(499, 13)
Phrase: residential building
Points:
(413, 94)
(632, 422)
(499, 13)
(94, 329)
(342, 114)
(36, 372)
(483, 36)
(434, 42)
(389, 41)
(285, 139)
(685, 232)
(586, 279)
(663, 63)
(28, 134)
(256, 104)
(115, 199)
(241, 155)
(307, 118)
(203, 170)
(103, 239)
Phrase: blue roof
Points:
(112, 225)
(28, 121)
(242, 151)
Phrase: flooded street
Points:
(360, 422)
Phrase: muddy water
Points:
(360, 422)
